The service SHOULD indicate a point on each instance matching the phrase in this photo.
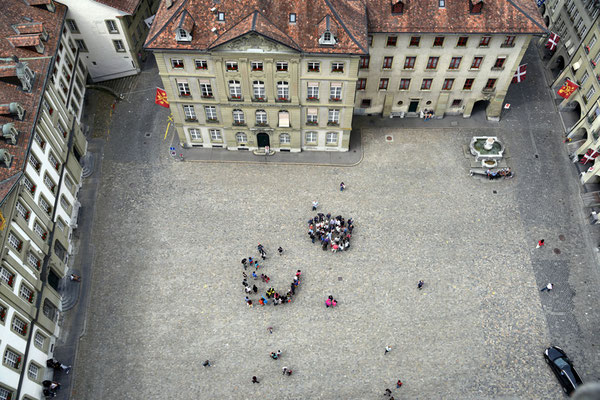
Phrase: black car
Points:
(563, 369)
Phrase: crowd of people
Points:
(271, 295)
(332, 232)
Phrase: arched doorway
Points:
(547, 20)
(479, 108)
(263, 140)
(559, 65)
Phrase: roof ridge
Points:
(230, 28)
(285, 34)
(161, 30)
(337, 16)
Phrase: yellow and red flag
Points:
(161, 98)
(567, 89)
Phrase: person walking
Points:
(398, 384)
(420, 285)
(206, 364)
(540, 244)
(255, 380)
(270, 330)
(548, 287)
(255, 289)
(387, 349)
(315, 204)
(388, 392)
(342, 187)
(280, 250)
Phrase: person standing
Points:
(342, 187)
(540, 244)
(398, 384)
(420, 285)
(280, 250)
(387, 349)
(255, 380)
(548, 287)
(206, 364)
(315, 204)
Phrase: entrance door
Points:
(263, 139)
(412, 107)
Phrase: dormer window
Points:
(442, 3)
(475, 6)
(183, 35)
(397, 7)
(292, 18)
(327, 39)
(221, 16)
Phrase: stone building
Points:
(290, 75)
(110, 34)
(41, 96)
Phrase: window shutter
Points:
(284, 120)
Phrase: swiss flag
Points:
(589, 156)
(520, 74)
(552, 41)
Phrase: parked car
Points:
(563, 368)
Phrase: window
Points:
(365, 103)
(490, 84)
(313, 67)
(397, 6)
(184, 88)
(414, 41)
(215, 135)
(509, 41)
(284, 119)
(81, 45)
(327, 38)
(190, 113)
(261, 117)
(442, 3)
(119, 46)
(64, 203)
(438, 41)
(590, 93)
(364, 62)
(68, 183)
(456, 102)
(432, 62)
(312, 116)
(15, 242)
(6, 276)
(238, 117)
(45, 206)
(404, 84)
(455, 63)
(40, 230)
(337, 67)
(12, 359)
(383, 83)
(72, 26)
(370, 40)
(39, 340)
(22, 211)
(205, 89)
(183, 36)
(53, 161)
(177, 63)
(26, 293)
(3, 312)
(60, 224)
(335, 91)
(211, 113)
(476, 64)
(334, 117)
(592, 42)
(19, 326)
(195, 134)
(283, 91)
(221, 16)
(33, 161)
(112, 26)
(409, 62)
(313, 91)
(32, 371)
(361, 84)
(462, 41)
(391, 41)
(448, 84)
(331, 138)
(258, 89)
(584, 78)
(387, 62)
(235, 90)
(256, 65)
(281, 66)
(484, 41)
(426, 84)
(29, 185)
(310, 137)
(50, 310)
(241, 137)
(468, 84)
(49, 183)
(292, 18)
(201, 64)
(499, 64)
(284, 138)
(231, 66)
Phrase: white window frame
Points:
(257, 66)
(176, 62)
(284, 138)
(201, 64)
(241, 137)
(10, 358)
(337, 67)
(14, 241)
(182, 35)
(590, 93)
(311, 137)
(206, 89)
(261, 117)
(231, 66)
(25, 292)
(312, 115)
(111, 26)
(333, 116)
(238, 116)
(332, 138)
(211, 113)
(258, 89)
(184, 88)
(235, 89)
(22, 210)
(49, 183)
(18, 325)
(215, 135)
(335, 91)
(313, 66)
(195, 134)
(313, 90)
(283, 90)
(189, 112)
(281, 66)
(33, 371)
(36, 340)
(39, 229)
(119, 46)
(44, 205)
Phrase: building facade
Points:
(40, 176)
(110, 34)
(251, 76)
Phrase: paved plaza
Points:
(166, 290)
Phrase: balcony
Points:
(259, 99)
(335, 99)
(312, 98)
(283, 100)
(333, 123)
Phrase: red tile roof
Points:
(423, 16)
(12, 13)
(269, 18)
(127, 6)
(34, 27)
(24, 40)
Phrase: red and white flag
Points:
(520, 74)
(590, 155)
(552, 41)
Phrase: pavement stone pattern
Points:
(169, 236)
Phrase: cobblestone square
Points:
(167, 285)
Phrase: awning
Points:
(336, 84)
(284, 119)
(577, 65)
(312, 111)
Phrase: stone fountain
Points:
(487, 149)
